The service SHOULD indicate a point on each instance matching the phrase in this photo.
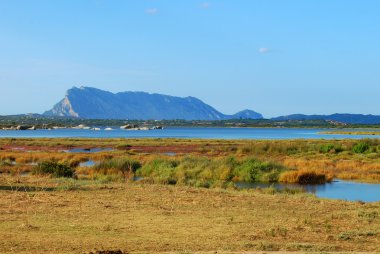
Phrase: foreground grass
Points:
(73, 216)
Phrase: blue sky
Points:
(276, 57)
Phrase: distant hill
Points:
(343, 118)
(247, 114)
(92, 103)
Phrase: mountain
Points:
(92, 103)
(343, 118)
(247, 114)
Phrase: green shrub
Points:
(160, 170)
(248, 171)
(54, 168)
(360, 147)
(330, 148)
(253, 170)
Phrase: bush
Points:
(330, 148)
(253, 170)
(54, 168)
(360, 147)
(160, 170)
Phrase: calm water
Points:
(90, 150)
(89, 163)
(344, 190)
(188, 132)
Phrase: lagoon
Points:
(338, 189)
(187, 132)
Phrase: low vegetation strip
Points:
(352, 132)
(205, 172)
(346, 159)
(190, 170)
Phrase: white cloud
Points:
(264, 50)
(151, 11)
(205, 5)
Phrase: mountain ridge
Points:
(88, 102)
(93, 103)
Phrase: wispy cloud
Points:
(264, 50)
(205, 5)
(151, 11)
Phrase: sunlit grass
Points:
(346, 159)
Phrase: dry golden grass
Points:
(347, 169)
(71, 216)
(306, 177)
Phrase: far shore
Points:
(372, 133)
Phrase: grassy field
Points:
(50, 215)
(186, 201)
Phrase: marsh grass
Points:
(121, 166)
(209, 172)
(330, 148)
(361, 147)
(335, 157)
(305, 177)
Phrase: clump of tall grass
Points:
(253, 170)
(360, 147)
(159, 170)
(207, 172)
(121, 165)
(305, 177)
(275, 147)
(4, 163)
(330, 148)
(53, 168)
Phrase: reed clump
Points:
(120, 165)
(209, 172)
(160, 170)
(361, 147)
(330, 148)
(305, 177)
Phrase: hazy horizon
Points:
(273, 57)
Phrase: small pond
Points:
(170, 154)
(89, 163)
(338, 189)
(89, 150)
